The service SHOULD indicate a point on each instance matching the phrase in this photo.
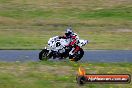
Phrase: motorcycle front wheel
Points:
(43, 55)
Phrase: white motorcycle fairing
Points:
(56, 44)
(58, 48)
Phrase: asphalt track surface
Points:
(89, 56)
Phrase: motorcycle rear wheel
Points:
(77, 56)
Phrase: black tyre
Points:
(43, 55)
(77, 56)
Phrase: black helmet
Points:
(68, 32)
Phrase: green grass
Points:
(28, 24)
(37, 39)
(57, 74)
(113, 13)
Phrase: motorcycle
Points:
(58, 48)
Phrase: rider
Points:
(73, 37)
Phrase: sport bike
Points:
(58, 48)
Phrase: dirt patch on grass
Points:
(7, 20)
(24, 69)
(58, 70)
(122, 30)
(116, 2)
